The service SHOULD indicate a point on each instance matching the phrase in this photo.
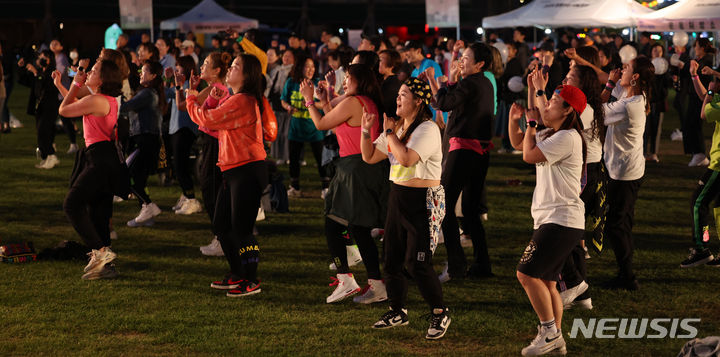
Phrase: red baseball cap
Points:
(573, 96)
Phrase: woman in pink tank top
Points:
(98, 173)
(357, 196)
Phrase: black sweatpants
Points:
(69, 128)
(235, 212)
(407, 247)
(144, 163)
(182, 142)
(653, 128)
(622, 196)
(209, 176)
(45, 124)
(296, 150)
(465, 171)
(337, 236)
(706, 193)
(89, 202)
(693, 141)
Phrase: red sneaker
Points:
(228, 283)
(245, 288)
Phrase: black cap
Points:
(374, 39)
(412, 45)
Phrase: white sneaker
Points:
(376, 233)
(190, 206)
(346, 287)
(180, 202)
(40, 164)
(587, 254)
(148, 211)
(98, 259)
(50, 162)
(353, 256)
(117, 199)
(484, 216)
(260, 216)
(113, 235)
(546, 342)
(73, 149)
(323, 193)
(214, 249)
(676, 135)
(374, 291)
(279, 162)
(134, 224)
(584, 304)
(569, 295)
(444, 276)
(15, 123)
(292, 192)
(697, 160)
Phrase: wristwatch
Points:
(388, 131)
(710, 93)
(540, 93)
(177, 87)
(532, 124)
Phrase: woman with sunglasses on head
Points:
(242, 122)
(416, 203)
(88, 204)
(357, 195)
(558, 152)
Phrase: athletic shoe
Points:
(214, 249)
(279, 162)
(377, 233)
(15, 123)
(503, 151)
(72, 149)
(323, 193)
(715, 262)
(353, 256)
(292, 192)
(246, 288)
(699, 160)
(134, 224)
(374, 291)
(697, 257)
(117, 199)
(107, 272)
(587, 253)
(147, 212)
(392, 318)
(260, 217)
(180, 202)
(569, 295)
(444, 276)
(98, 258)
(619, 282)
(50, 162)
(113, 235)
(190, 206)
(438, 324)
(346, 287)
(546, 342)
(584, 304)
(484, 216)
(228, 283)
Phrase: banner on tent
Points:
(679, 25)
(442, 13)
(216, 27)
(136, 14)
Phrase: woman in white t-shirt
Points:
(625, 120)
(416, 203)
(558, 153)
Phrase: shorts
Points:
(547, 251)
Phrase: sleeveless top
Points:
(348, 137)
(100, 128)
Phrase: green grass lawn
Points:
(162, 303)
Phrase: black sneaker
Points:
(715, 263)
(228, 283)
(620, 282)
(438, 325)
(697, 257)
(392, 318)
(245, 288)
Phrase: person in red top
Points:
(97, 174)
(241, 129)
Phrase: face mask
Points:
(43, 62)
(73, 55)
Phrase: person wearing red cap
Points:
(558, 152)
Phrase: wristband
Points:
(540, 93)
(611, 83)
(450, 84)
(365, 131)
(695, 76)
(309, 103)
(239, 39)
(76, 84)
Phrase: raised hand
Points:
(307, 89)
(388, 123)
(84, 63)
(80, 78)
(459, 45)
(56, 76)
(429, 72)
(189, 92)
(217, 93)
(516, 112)
(693, 67)
(454, 71)
(331, 78)
(615, 75)
(368, 120)
(194, 80)
(570, 53)
(179, 78)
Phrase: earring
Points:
(633, 82)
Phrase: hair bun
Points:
(226, 58)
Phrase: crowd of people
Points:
(401, 134)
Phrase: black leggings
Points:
(144, 163)
(465, 172)
(210, 176)
(89, 202)
(407, 247)
(45, 124)
(337, 241)
(69, 128)
(622, 196)
(296, 149)
(182, 142)
(235, 212)
(704, 198)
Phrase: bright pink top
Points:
(470, 144)
(97, 129)
(348, 137)
(212, 103)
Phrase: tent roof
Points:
(690, 15)
(571, 13)
(207, 15)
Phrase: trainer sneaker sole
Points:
(385, 327)
(346, 295)
(699, 262)
(224, 287)
(256, 291)
(437, 337)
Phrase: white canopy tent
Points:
(571, 13)
(208, 17)
(687, 15)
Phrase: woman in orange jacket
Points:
(243, 121)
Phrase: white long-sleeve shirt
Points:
(625, 119)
